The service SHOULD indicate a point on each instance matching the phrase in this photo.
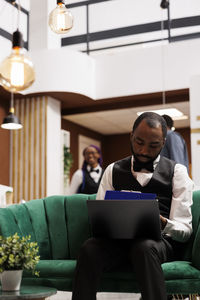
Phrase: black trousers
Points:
(100, 255)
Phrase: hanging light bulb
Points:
(16, 71)
(11, 121)
(60, 19)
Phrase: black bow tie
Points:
(138, 166)
(93, 170)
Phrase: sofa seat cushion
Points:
(180, 270)
(180, 276)
(66, 268)
(54, 268)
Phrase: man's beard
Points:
(150, 159)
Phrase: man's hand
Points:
(163, 222)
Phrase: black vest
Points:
(89, 186)
(160, 183)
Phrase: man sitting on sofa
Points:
(144, 171)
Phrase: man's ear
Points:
(164, 140)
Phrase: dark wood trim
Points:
(129, 101)
(73, 103)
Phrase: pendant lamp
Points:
(164, 4)
(16, 71)
(60, 19)
(11, 121)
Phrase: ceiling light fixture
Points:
(11, 121)
(174, 113)
(16, 71)
(164, 4)
(60, 19)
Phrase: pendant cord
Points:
(12, 101)
(163, 61)
(19, 12)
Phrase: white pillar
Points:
(195, 127)
(41, 36)
(54, 154)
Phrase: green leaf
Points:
(18, 253)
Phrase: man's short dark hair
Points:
(169, 121)
(152, 119)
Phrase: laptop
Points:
(124, 219)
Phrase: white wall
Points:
(195, 127)
(63, 70)
(135, 71)
(139, 71)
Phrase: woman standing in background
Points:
(87, 179)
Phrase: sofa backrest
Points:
(195, 238)
(58, 223)
(191, 252)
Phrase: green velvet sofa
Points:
(60, 225)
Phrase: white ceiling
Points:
(120, 121)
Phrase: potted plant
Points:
(16, 254)
(68, 162)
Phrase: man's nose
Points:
(144, 150)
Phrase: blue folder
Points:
(120, 195)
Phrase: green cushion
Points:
(58, 232)
(54, 268)
(77, 222)
(8, 223)
(61, 284)
(54, 273)
(37, 216)
(23, 220)
(180, 270)
(196, 229)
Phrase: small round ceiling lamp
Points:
(60, 19)
(11, 121)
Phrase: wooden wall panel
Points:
(28, 150)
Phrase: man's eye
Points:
(154, 146)
(139, 143)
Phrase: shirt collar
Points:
(96, 168)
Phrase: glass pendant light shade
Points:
(11, 121)
(16, 71)
(60, 19)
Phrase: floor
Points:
(105, 296)
(100, 296)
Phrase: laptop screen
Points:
(124, 219)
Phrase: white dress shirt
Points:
(77, 178)
(179, 224)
